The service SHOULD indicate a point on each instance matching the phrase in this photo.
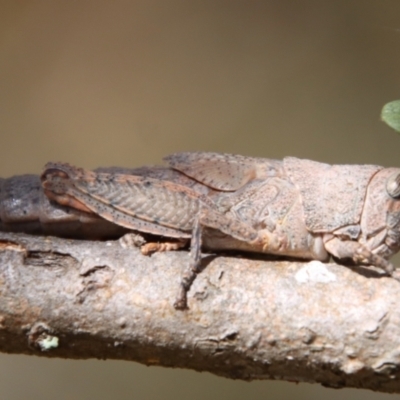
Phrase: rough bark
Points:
(248, 318)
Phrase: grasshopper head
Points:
(393, 185)
(380, 220)
(392, 239)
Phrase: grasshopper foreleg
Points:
(358, 253)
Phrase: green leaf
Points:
(391, 114)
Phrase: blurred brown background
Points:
(126, 82)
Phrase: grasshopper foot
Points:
(186, 282)
(181, 302)
(155, 247)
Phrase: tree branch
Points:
(248, 319)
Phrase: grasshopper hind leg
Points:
(194, 267)
(210, 218)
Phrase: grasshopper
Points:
(295, 208)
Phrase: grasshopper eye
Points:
(393, 185)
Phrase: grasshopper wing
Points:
(134, 202)
(225, 172)
(139, 202)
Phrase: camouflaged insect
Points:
(296, 208)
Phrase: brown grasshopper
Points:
(296, 208)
